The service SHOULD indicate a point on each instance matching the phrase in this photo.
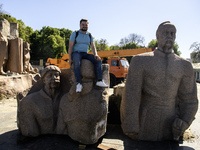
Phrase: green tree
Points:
(114, 47)
(195, 55)
(130, 46)
(101, 45)
(175, 48)
(153, 44)
(65, 33)
(48, 43)
(36, 43)
(24, 31)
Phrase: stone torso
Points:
(155, 83)
(38, 114)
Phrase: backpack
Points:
(77, 31)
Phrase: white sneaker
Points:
(101, 84)
(79, 88)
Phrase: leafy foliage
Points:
(130, 46)
(49, 42)
(195, 55)
(101, 45)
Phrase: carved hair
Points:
(49, 68)
(161, 25)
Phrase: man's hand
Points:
(70, 62)
(97, 57)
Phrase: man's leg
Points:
(98, 69)
(97, 65)
(76, 57)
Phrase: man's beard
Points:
(83, 29)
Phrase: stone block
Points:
(15, 61)
(5, 27)
(14, 29)
(3, 56)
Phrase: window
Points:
(124, 63)
(114, 63)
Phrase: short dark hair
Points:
(83, 20)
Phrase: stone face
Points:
(160, 97)
(82, 116)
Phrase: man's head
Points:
(166, 35)
(51, 76)
(84, 25)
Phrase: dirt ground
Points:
(114, 139)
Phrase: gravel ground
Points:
(113, 139)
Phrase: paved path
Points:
(113, 139)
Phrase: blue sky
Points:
(113, 19)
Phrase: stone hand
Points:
(132, 135)
(178, 128)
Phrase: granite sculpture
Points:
(84, 116)
(51, 108)
(27, 67)
(14, 52)
(160, 97)
(3, 53)
(38, 111)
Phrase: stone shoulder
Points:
(141, 58)
(31, 98)
(185, 63)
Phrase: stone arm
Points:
(131, 99)
(187, 103)
(61, 127)
(27, 121)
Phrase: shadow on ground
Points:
(12, 140)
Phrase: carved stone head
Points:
(166, 35)
(51, 77)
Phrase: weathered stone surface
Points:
(27, 67)
(160, 97)
(3, 56)
(15, 61)
(14, 30)
(82, 116)
(11, 85)
(38, 111)
(14, 53)
(5, 27)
